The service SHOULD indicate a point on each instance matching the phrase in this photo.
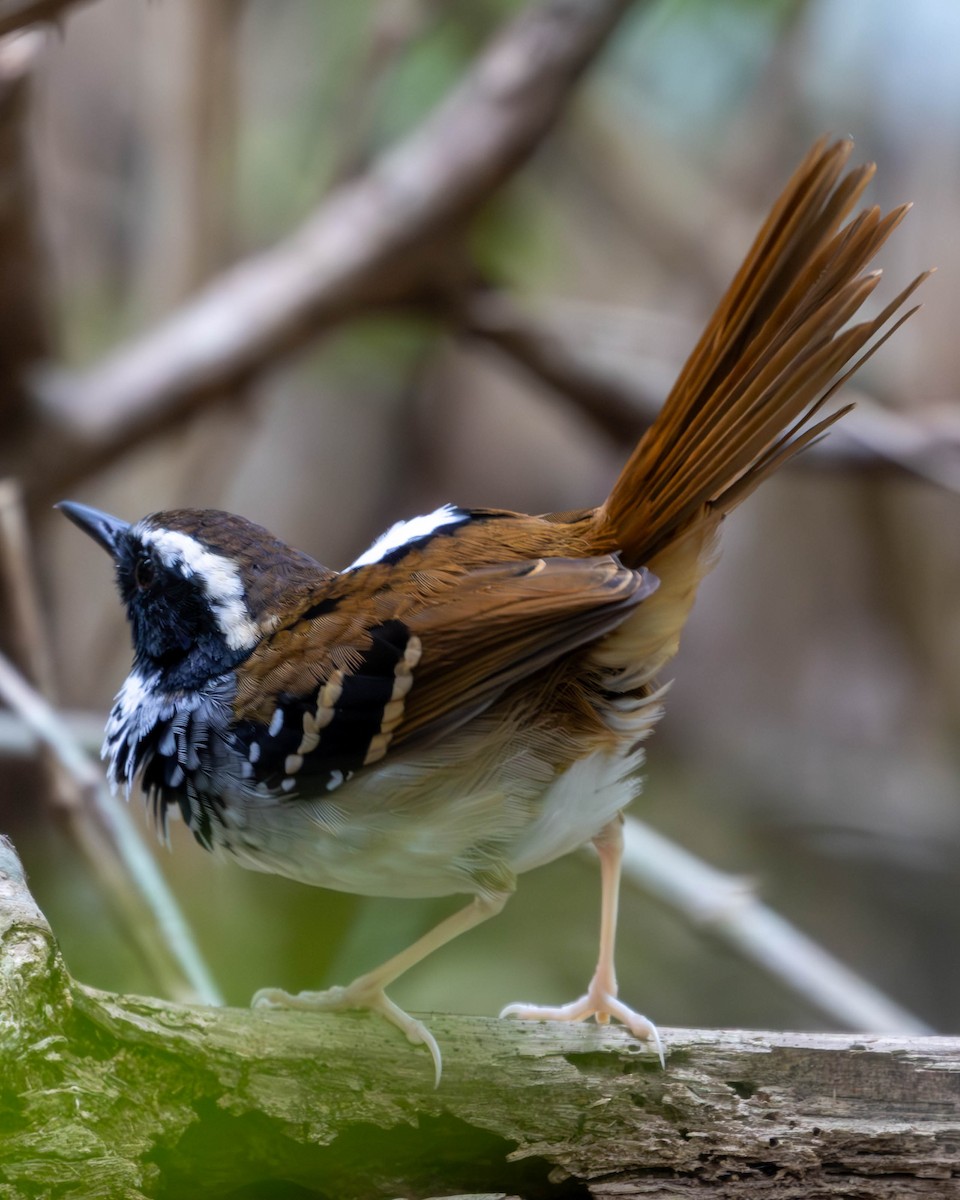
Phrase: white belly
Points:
(419, 828)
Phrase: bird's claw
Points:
(357, 995)
(601, 1005)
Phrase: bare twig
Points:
(111, 841)
(726, 907)
(371, 243)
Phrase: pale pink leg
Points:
(367, 991)
(600, 1000)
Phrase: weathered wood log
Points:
(104, 1095)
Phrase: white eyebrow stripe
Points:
(220, 578)
(405, 533)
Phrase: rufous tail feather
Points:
(774, 352)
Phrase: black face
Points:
(172, 625)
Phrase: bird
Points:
(470, 697)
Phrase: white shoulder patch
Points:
(220, 578)
(405, 533)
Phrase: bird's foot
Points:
(599, 1002)
(357, 995)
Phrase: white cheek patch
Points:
(220, 579)
(405, 533)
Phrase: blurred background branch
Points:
(369, 244)
(621, 393)
(17, 14)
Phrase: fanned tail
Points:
(771, 356)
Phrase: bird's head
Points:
(200, 586)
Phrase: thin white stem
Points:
(726, 906)
(139, 869)
(19, 740)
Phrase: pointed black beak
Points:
(103, 528)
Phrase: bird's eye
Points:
(145, 572)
